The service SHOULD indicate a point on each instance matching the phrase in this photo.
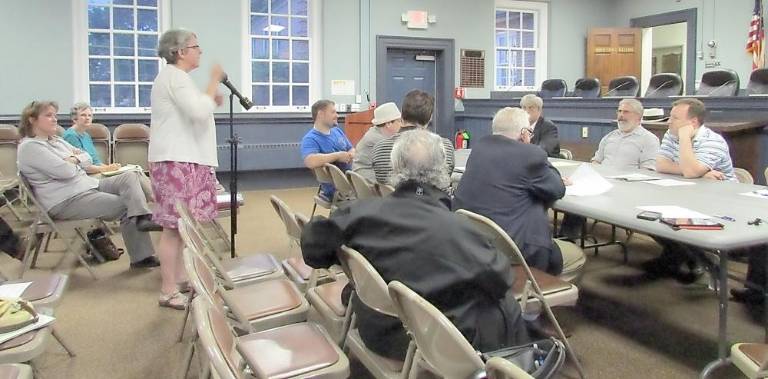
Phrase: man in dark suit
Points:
(510, 181)
(544, 131)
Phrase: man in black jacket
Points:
(544, 131)
(413, 237)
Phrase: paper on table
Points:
(563, 163)
(587, 182)
(670, 183)
(673, 211)
(14, 290)
(762, 194)
(636, 177)
(42, 321)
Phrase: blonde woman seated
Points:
(77, 136)
(55, 171)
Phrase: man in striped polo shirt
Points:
(691, 150)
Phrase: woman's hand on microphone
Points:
(217, 73)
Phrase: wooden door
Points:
(613, 52)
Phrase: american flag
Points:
(756, 36)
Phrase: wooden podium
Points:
(356, 124)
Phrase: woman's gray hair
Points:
(419, 155)
(77, 108)
(510, 122)
(171, 42)
(634, 104)
(531, 100)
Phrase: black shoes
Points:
(147, 262)
(144, 223)
(747, 296)
(686, 273)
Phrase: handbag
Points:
(103, 245)
(541, 359)
(16, 314)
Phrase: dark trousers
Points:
(572, 226)
(756, 268)
(8, 239)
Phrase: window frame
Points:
(314, 35)
(80, 77)
(541, 28)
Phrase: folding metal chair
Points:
(364, 189)
(131, 145)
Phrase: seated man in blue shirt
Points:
(326, 143)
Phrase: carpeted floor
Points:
(624, 326)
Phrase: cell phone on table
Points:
(649, 215)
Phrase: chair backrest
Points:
(438, 341)
(9, 139)
(566, 154)
(624, 86)
(553, 88)
(758, 82)
(202, 278)
(363, 188)
(500, 239)
(370, 287)
(587, 88)
(384, 189)
(102, 140)
(289, 221)
(131, 145)
(216, 338)
(322, 175)
(723, 82)
(42, 215)
(339, 180)
(743, 176)
(665, 85)
(301, 220)
(500, 368)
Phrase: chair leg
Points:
(186, 315)
(61, 342)
(48, 240)
(80, 258)
(188, 359)
(569, 351)
(89, 245)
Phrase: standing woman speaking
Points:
(182, 152)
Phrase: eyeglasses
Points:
(193, 47)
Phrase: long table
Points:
(619, 205)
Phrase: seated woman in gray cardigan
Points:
(54, 169)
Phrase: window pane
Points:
(145, 94)
(123, 18)
(280, 72)
(147, 20)
(98, 17)
(299, 7)
(259, 48)
(98, 44)
(300, 95)
(280, 6)
(300, 73)
(100, 95)
(124, 45)
(99, 2)
(517, 58)
(298, 27)
(514, 39)
(260, 6)
(259, 25)
(147, 70)
(147, 45)
(125, 96)
(99, 70)
(529, 59)
(123, 2)
(279, 26)
(502, 79)
(124, 71)
(528, 39)
(260, 95)
(502, 38)
(528, 21)
(501, 19)
(260, 72)
(514, 20)
(280, 49)
(516, 79)
(147, 3)
(502, 57)
(530, 78)
(300, 49)
(280, 95)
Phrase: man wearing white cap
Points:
(386, 122)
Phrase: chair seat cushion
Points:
(287, 351)
(40, 288)
(250, 266)
(18, 341)
(301, 268)
(549, 283)
(9, 372)
(756, 352)
(330, 294)
(264, 299)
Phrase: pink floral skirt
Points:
(190, 183)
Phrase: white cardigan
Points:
(182, 128)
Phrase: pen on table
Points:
(729, 218)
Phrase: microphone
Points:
(659, 88)
(616, 88)
(244, 101)
(711, 93)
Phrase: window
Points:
(280, 54)
(118, 56)
(520, 45)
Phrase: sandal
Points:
(184, 287)
(175, 300)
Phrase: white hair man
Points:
(413, 237)
(543, 132)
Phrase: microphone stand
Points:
(233, 141)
